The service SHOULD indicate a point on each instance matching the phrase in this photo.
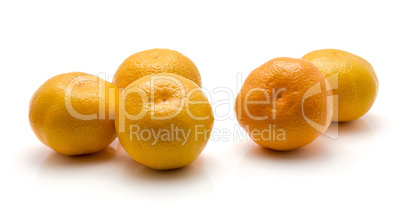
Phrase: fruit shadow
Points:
(311, 151)
(358, 128)
(260, 161)
(58, 168)
(57, 160)
(336, 131)
(337, 147)
(375, 121)
(136, 170)
(115, 168)
(172, 183)
(115, 154)
(67, 172)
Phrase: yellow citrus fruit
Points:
(353, 79)
(155, 61)
(284, 104)
(71, 114)
(163, 121)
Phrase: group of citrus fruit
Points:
(156, 108)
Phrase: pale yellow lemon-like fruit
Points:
(163, 121)
(155, 61)
(73, 113)
(353, 79)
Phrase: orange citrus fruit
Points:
(163, 121)
(71, 114)
(284, 104)
(354, 80)
(155, 61)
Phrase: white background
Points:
(360, 170)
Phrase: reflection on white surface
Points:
(226, 172)
(322, 158)
(113, 169)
